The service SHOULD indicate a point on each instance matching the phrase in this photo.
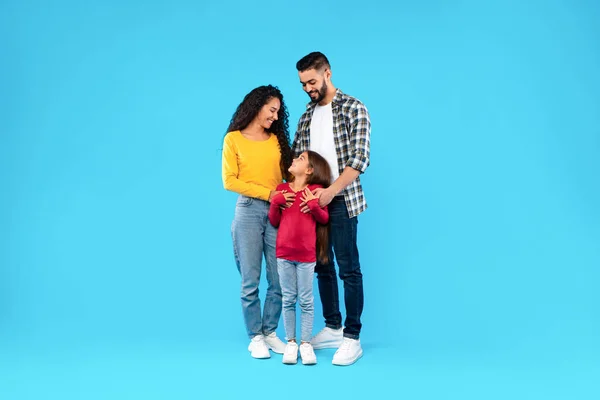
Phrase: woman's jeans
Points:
(254, 236)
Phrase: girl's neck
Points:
(299, 183)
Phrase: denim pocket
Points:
(243, 201)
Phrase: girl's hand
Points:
(307, 196)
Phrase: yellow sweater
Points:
(251, 167)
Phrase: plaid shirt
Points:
(352, 137)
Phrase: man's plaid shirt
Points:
(352, 137)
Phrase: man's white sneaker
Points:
(258, 348)
(290, 355)
(307, 354)
(348, 353)
(328, 339)
(274, 343)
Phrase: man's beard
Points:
(321, 94)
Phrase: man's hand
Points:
(326, 197)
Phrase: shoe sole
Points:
(309, 362)
(349, 362)
(260, 358)
(327, 345)
(274, 350)
(288, 362)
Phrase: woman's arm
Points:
(230, 172)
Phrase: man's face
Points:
(314, 84)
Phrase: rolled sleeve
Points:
(360, 139)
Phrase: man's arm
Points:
(359, 160)
(348, 176)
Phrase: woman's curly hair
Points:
(249, 109)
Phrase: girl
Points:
(298, 241)
(256, 157)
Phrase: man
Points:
(338, 127)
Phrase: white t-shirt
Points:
(321, 137)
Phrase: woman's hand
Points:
(289, 197)
(272, 195)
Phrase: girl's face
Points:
(300, 166)
(268, 113)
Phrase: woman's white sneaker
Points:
(274, 343)
(258, 347)
(290, 355)
(307, 354)
(328, 339)
(348, 353)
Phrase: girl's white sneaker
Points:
(290, 354)
(307, 354)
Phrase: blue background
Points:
(480, 247)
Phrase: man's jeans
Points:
(296, 280)
(342, 240)
(253, 236)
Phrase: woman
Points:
(256, 157)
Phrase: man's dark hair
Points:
(316, 60)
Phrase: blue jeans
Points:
(342, 242)
(296, 280)
(253, 236)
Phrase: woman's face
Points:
(268, 113)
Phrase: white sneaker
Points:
(348, 353)
(307, 354)
(328, 339)
(290, 355)
(258, 348)
(274, 343)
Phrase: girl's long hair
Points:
(321, 176)
(249, 109)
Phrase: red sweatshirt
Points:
(297, 235)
